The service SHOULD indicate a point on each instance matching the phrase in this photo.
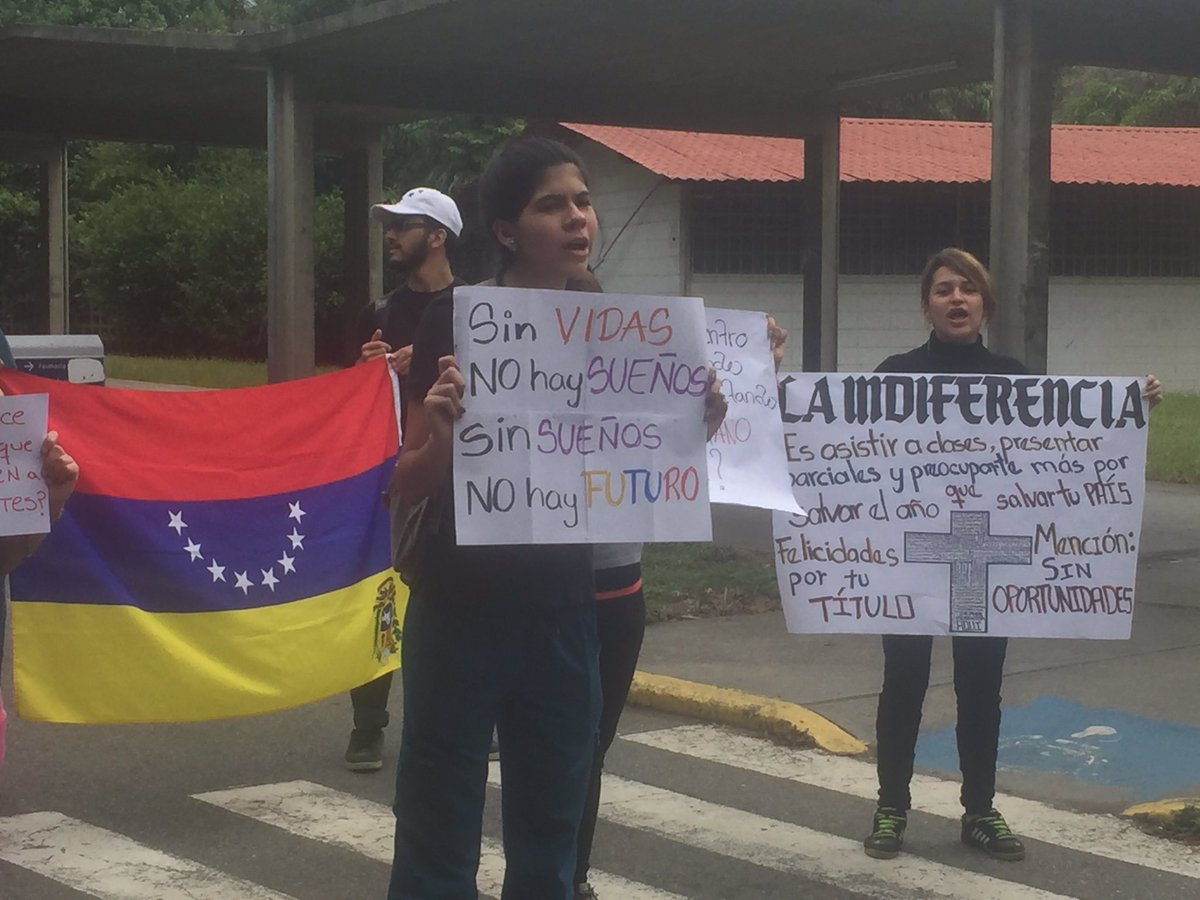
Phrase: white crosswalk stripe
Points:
(791, 848)
(103, 864)
(1105, 836)
(345, 820)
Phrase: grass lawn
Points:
(1174, 453)
(685, 581)
(209, 373)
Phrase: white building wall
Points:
(646, 258)
(876, 316)
(1127, 326)
(1098, 326)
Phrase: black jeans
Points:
(620, 627)
(370, 703)
(978, 672)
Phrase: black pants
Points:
(531, 674)
(978, 672)
(620, 627)
(370, 703)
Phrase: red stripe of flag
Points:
(219, 445)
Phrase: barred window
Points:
(892, 229)
(1125, 230)
(747, 229)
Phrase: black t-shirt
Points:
(397, 316)
(500, 576)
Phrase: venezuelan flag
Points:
(225, 553)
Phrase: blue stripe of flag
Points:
(208, 556)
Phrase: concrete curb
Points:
(776, 718)
(1161, 810)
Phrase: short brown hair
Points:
(961, 263)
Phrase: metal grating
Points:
(747, 229)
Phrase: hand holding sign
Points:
(60, 473)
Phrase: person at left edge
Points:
(60, 473)
(419, 229)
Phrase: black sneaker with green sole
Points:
(991, 834)
(887, 833)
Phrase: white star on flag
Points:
(194, 549)
(177, 521)
(297, 513)
(297, 539)
(218, 572)
(269, 579)
(288, 563)
(244, 583)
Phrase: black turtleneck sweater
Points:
(943, 358)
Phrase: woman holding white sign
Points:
(500, 636)
(956, 299)
(495, 635)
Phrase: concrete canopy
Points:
(746, 66)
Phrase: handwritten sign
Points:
(584, 418)
(962, 504)
(24, 498)
(746, 463)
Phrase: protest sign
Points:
(962, 504)
(746, 463)
(584, 418)
(24, 498)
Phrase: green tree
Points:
(177, 266)
(1094, 96)
(966, 103)
(445, 152)
(197, 15)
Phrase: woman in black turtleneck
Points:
(956, 298)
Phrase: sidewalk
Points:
(1153, 675)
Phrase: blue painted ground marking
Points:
(1153, 758)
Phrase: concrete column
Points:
(822, 184)
(291, 345)
(362, 186)
(54, 237)
(1022, 100)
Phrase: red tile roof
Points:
(906, 150)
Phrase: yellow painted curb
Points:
(725, 706)
(1161, 809)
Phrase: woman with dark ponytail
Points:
(500, 636)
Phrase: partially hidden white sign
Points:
(962, 504)
(584, 418)
(24, 497)
(746, 462)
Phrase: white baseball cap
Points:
(423, 201)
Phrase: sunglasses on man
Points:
(403, 225)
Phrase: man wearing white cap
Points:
(418, 229)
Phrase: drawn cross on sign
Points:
(968, 549)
